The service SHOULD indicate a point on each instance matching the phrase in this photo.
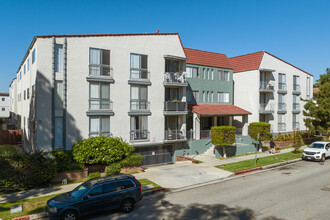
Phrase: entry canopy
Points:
(212, 109)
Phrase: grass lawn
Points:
(248, 164)
(37, 205)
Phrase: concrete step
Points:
(209, 151)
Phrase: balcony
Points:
(296, 108)
(99, 107)
(175, 108)
(139, 107)
(174, 136)
(281, 126)
(265, 108)
(100, 73)
(282, 88)
(175, 79)
(139, 76)
(281, 107)
(266, 86)
(296, 89)
(139, 135)
(296, 125)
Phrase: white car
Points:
(317, 151)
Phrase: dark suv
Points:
(99, 194)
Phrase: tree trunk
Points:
(260, 146)
(224, 155)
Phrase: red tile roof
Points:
(4, 94)
(213, 109)
(205, 58)
(103, 35)
(252, 62)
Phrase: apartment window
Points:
(24, 68)
(33, 56)
(281, 102)
(208, 73)
(296, 102)
(24, 95)
(223, 75)
(58, 94)
(59, 58)
(211, 97)
(171, 66)
(99, 62)
(3, 99)
(139, 66)
(33, 91)
(28, 93)
(295, 121)
(308, 87)
(204, 73)
(3, 109)
(99, 96)
(20, 75)
(192, 72)
(212, 74)
(296, 83)
(281, 81)
(223, 97)
(139, 128)
(281, 122)
(28, 64)
(99, 125)
(196, 95)
(203, 96)
(139, 97)
(58, 136)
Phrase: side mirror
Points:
(85, 197)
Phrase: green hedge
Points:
(261, 128)
(65, 161)
(101, 150)
(113, 169)
(94, 175)
(131, 160)
(223, 135)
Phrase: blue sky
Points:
(296, 31)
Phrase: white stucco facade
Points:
(4, 105)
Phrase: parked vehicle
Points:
(95, 195)
(319, 150)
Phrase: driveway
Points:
(182, 174)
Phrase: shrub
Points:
(101, 150)
(298, 142)
(261, 128)
(132, 160)
(94, 175)
(65, 162)
(25, 171)
(223, 135)
(113, 169)
(7, 150)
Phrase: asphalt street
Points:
(297, 191)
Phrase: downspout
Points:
(64, 92)
(53, 92)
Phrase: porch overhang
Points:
(218, 110)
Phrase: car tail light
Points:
(140, 185)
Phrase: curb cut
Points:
(268, 166)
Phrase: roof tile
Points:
(217, 109)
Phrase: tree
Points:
(223, 135)
(261, 128)
(317, 109)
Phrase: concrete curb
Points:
(149, 192)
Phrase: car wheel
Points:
(69, 215)
(302, 158)
(323, 158)
(127, 205)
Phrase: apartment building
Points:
(4, 105)
(271, 88)
(71, 87)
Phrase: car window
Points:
(79, 191)
(109, 187)
(95, 191)
(327, 146)
(127, 184)
(316, 145)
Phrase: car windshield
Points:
(315, 145)
(81, 189)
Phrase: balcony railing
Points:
(175, 135)
(205, 134)
(100, 104)
(139, 74)
(282, 86)
(175, 106)
(295, 125)
(266, 85)
(139, 105)
(296, 87)
(281, 126)
(100, 70)
(296, 107)
(171, 77)
(138, 135)
(264, 107)
(281, 106)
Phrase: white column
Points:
(196, 125)
(245, 127)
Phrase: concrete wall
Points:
(4, 106)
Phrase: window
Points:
(281, 102)
(58, 94)
(212, 74)
(109, 187)
(99, 62)
(223, 97)
(139, 97)
(33, 56)
(192, 72)
(295, 121)
(59, 58)
(28, 93)
(126, 184)
(211, 96)
(281, 122)
(3, 109)
(171, 66)
(196, 95)
(223, 75)
(3, 99)
(28, 64)
(203, 96)
(208, 73)
(20, 75)
(24, 94)
(139, 128)
(308, 87)
(33, 91)
(139, 66)
(99, 125)
(99, 96)
(296, 86)
(281, 81)
(207, 96)
(58, 137)
(24, 68)
(204, 73)
(296, 102)
(95, 191)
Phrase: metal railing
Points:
(281, 86)
(175, 77)
(296, 87)
(136, 73)
(137, 135)
(266, 85)
(139, 105)
(175, 134)
(264, 107)
(175, 106)
(295, 125)
(281, 126)
(100, 70)
(281, 106)
(98, 104)
(205, 134)
(295, 106)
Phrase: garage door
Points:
(156, 155)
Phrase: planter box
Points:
(132, 169)
(95, 168)
(71, 176)
(184, 158)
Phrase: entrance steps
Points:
(209, 152)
